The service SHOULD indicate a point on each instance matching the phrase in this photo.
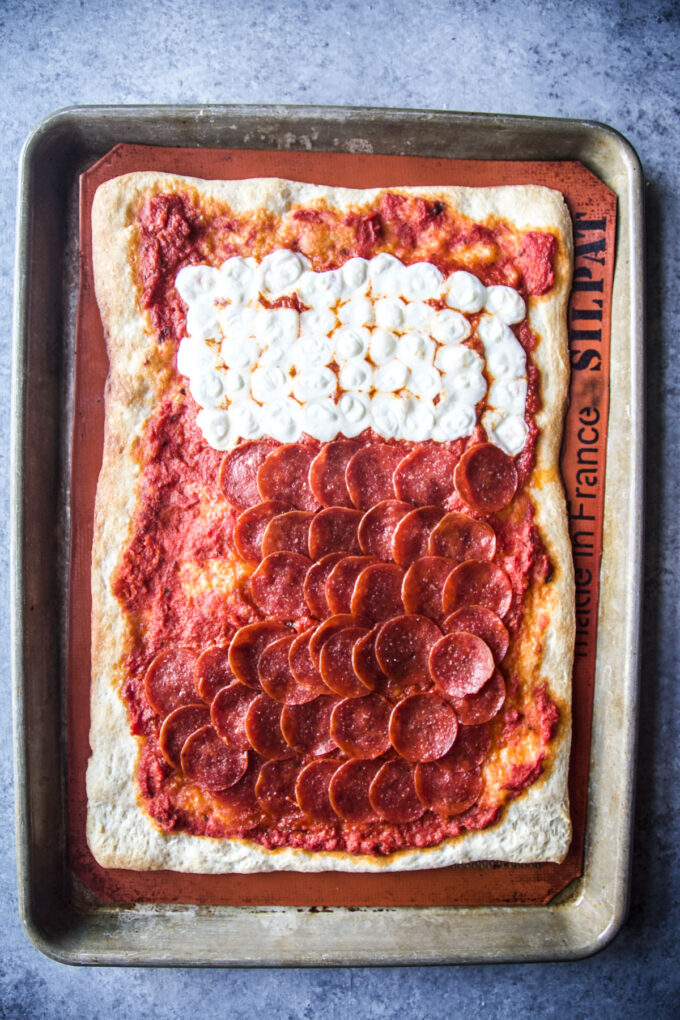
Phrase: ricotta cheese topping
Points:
(379, 345)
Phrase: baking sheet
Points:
(478, 933)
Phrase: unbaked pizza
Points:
(333, 612)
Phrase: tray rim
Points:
(589, 920)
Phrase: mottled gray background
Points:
(614, 62)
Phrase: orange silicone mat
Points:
(593, 209)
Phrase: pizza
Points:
(333, 607)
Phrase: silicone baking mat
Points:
(593, 209)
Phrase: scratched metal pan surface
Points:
(590, 911)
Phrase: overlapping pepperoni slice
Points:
(276, 675)
(364, 660)
(476, 583)
(288, 532)
(314, 588)
(378, 525)
(411, 537)
(275, 788)
(471, 748)
(334, 530)
(393, 793)
(238, 471)
(169, 680)
(349, 788)
(250, 527)
(370, 472)
(178, 727)
(228, 714)
(486, 478)
(342, 580)
(377, 592)
(335, 663)
(307, 728)
(304, 669)
(212, 672)
(424, 583)
(312, 790)
(473, 709)
(360, 726)
(447, 791)
(402, 649)
(326, 629)
(485, 624)
(207, 761)
(425, 475)
(277, 586)
(284, 475)
(263, 728)
(461, 538)
(423, 727)
(247, 646)
(327, 473)
(460, 664)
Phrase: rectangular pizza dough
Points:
(534, 826)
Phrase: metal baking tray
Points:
(59, 917)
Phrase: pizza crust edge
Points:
(533, 828)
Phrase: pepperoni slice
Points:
(335, 663)
(169, 680)
(424, 586)
(314, 588)
(263, 727)
(360, 726)
(475, 583)
(342, 580)
(377, 592)
(403, 647)
(277, 586)
(250, 527)
(207, 761)
(284, 475)
(423, 727)
(312, 790)
(304, 670)
(364, 660)
(486, 478)
(471, 748)
(425, 475)
(334, 530)
(238, 805)
(461, 664)
(275, 788)
(411, 538)
(393, 793)
(446, 790)
(326, 629)
(212, 672)
(485, 624)
(276, 676)
(327, 473)
(349, 788)
(378, 525)
(247, 646)
(307, 728)
(369, 474)
(478, 708)
(238, 472)
(178, 727)
(288, 532)
(461, 538)
(228, 714)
